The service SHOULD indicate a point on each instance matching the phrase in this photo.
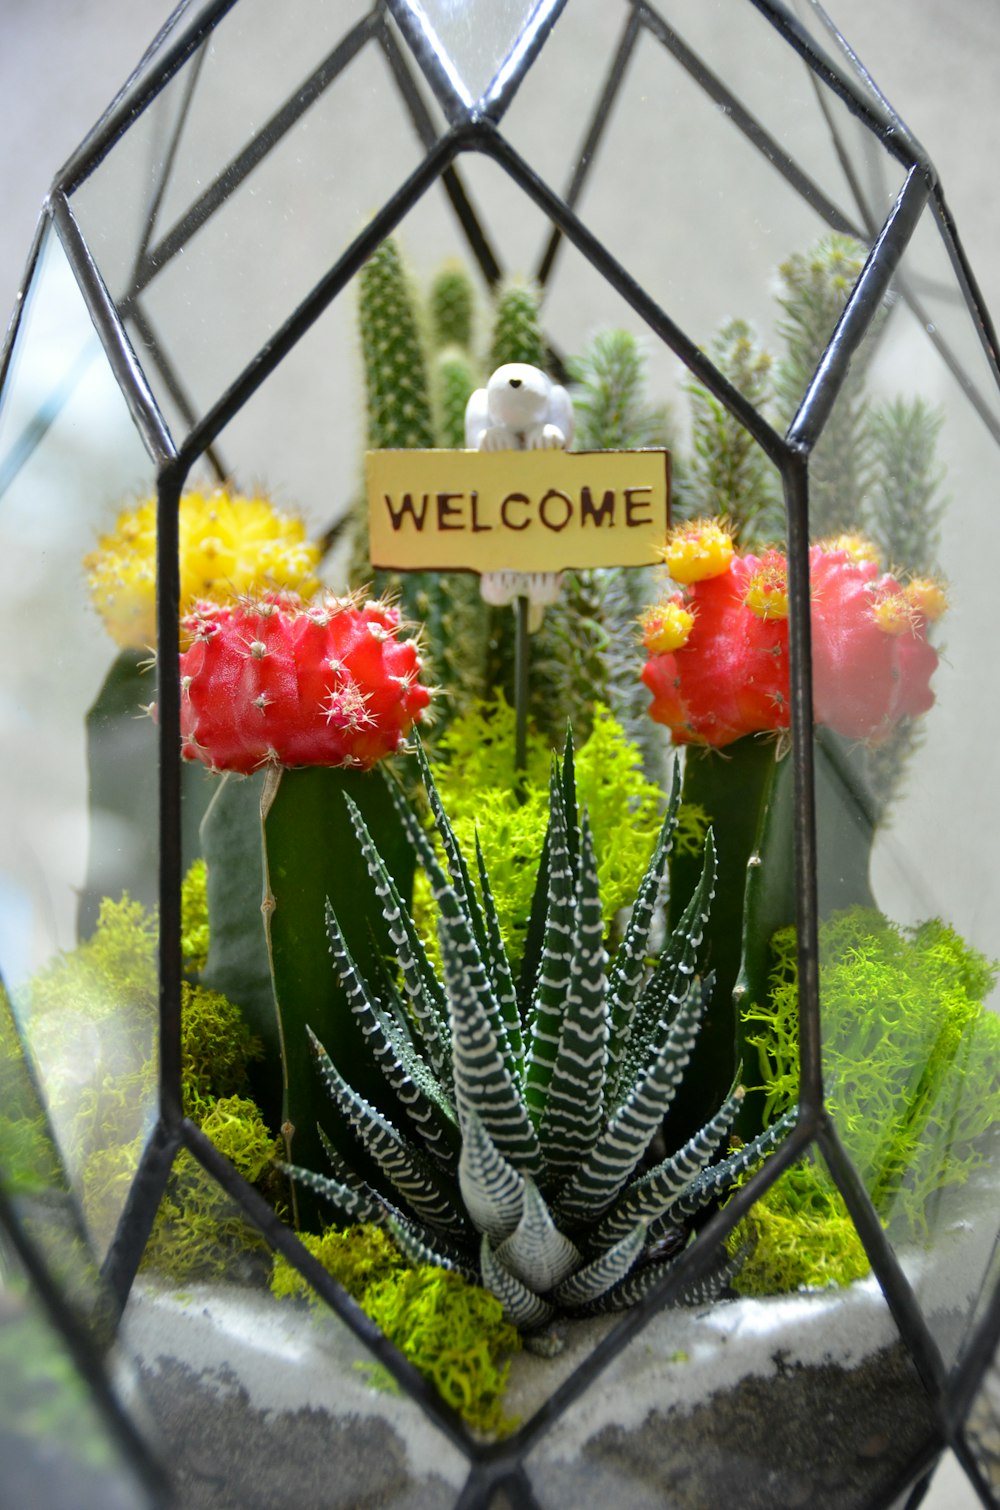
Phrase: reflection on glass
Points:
(904, 478)
(472, 38)
(983, 1428)
(70, 452)
(55, 1446)
(243, 197)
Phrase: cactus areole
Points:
(276, 681)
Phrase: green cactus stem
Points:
(454, 381)
(517, 331)
(452, 307)
(400, 379)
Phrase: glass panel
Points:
(804, 1398)
(475, 35)
(69, 455)
(983, 1429)
(270, 1402)
(668, 143)
(950, 1488)
(56, 1448)
(253, 170)
(34, 1182)
(905, 803)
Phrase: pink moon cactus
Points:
(718, 665)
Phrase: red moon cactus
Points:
(273, 680)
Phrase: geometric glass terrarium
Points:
(216, 301)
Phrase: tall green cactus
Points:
(729, 475)
(815, 288)
(517, 331)
(452, 307)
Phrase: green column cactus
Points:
(517, 333)
(452, 307)
(400, 414)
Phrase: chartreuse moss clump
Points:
(452, 1331)
(104, 994)
(474, 771)
(194, 919)
(911, 1061)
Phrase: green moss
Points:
(104, 995)
(199, 1233)
(911, 1059)
(803, 1237)
(356, 1257)
(475, 775)
(216, 1046)
(194, 918)
(237, 1129)
(453, 1332)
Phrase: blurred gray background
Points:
(62, 60)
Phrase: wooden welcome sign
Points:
(525, 511)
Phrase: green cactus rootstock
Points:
(747, 793)
(528, 1108)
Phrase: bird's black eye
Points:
(515, 382)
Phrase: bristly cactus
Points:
(452, 307)
(400, 415)
(531, 1108)
(517, 333)
(275, 681)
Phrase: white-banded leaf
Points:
(409, 1171)
(653, 1193)
(667, 985)
(623, 1142)
(629, 966)
(423, 989)
(492, 1189)
(419, 1245)
(637, 1285)
(353, 1204)
(574, 1102)
(410, 1078)
(457, 868)
(712, 1182)
(549, 1002)
(536, 1252)
(602, 1273)
(484, 1078)
(521, 1306)
(499, 968)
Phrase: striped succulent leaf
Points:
(522, 1161)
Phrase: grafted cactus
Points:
(531, 1107)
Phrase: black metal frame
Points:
(399, 29)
